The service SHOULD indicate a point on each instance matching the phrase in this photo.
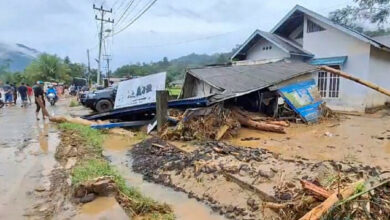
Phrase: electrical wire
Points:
(137, 17)
(127, 8)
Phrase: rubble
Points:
(259, 181)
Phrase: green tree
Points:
(376, 11)
(48, 68)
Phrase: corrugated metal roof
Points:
(240, 80)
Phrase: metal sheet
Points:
(329, 61)
(304, 99)
(243, 79)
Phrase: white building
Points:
(305, 35)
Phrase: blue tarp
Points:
(329, 61)
(304, 99)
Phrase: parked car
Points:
(100, 100)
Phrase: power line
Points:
(123, 14)
(135, 6)
(137, 17)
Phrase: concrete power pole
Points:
(89, 68)
(102, 20)
(108, 59)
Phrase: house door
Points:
(329, 84)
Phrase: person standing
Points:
(8, 93)
(39, 100)
(29, 92)
(15, 92)
(23, 94)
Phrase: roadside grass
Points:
(92, 165)
(93, 138)
(174, 91)
(94, 168)
(74, 103)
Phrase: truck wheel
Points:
(103, 105)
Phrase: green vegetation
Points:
(375, 11)
(48, 68)
(175, 68)
(95, 168)
(360, 188)
(174, 91)
(74, 103)
(92, 165)
(92, 137)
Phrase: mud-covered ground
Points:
(362, 139)
(236, 181)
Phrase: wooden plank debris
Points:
(317, 190)
(317, 212)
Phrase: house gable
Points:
(264, 46)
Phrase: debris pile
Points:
(211, 123)
(216, 122)
(259, 182)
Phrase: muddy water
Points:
(102, 208)
(184, 208)
(352, 139)
(27, 149)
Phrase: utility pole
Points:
(89, 67)
(102, 12)
(108, 59)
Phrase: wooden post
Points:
(355, 79)
(161, 108)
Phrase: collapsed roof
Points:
(227, 82)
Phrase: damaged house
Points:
(303, 35)
(278, 89)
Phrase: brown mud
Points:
(183, 207)
(361, 139)
(235, 181)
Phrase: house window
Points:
(313, 27)
(329, 84)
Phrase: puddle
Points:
(119, 143)
(101, 208)
(183, 207)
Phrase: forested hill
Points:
(175, 67)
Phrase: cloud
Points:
(170, 28)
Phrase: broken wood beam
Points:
(221, 132)
(317, 190)
(259, 125)
(356, 79)
(317, 212)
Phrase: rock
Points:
(104, 187)
(40, 189)
(267, 174)
(88, 198)
(70, 162)
(230, 209)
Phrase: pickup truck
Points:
(100, 100)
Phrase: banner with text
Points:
(139, 90)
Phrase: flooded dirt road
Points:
(27, 149)
(116, 147)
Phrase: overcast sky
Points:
(170, 28)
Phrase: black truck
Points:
(100, 100)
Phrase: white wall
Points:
(332, 42)
(256, 52)
(380, 75)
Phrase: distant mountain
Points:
(16, 56)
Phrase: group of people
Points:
(25, 92)
(11, 92)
